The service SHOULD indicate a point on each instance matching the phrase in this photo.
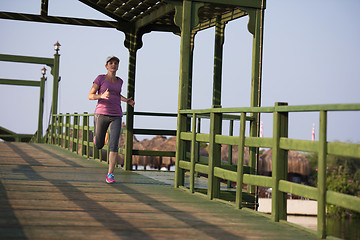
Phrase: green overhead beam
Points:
(240, 3)
(27, 59)
(58, 20)
(20, 82)
(107, 13)
(162, 11)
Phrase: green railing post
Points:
(193, 154)
(321, 220)
(60, 130)
(67, 131)
(74, 132)
(279, 164)
(214, 155)
(240, 163)
(85, 135)
(231, 133)
(41, 109)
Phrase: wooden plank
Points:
(46, 190)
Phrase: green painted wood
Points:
(231, 133)
(74, 134)
(240, 3)
(344, 149)
(321, 175)
(27, 59)
(60, 130)
(155, 132)
(131, 44)
(262, 181)
(201, 168)
(184, 165)
(154, 153)
(240, 164)
(16, 82)
(41, 110)
(55, 73)
(85, 135)
(153, 16)
(256, 73)
(218, 56)
(258, 142)
(184, 84)
(299, 145)
(59, 20)
(343, 200)
(317, 108)
(225, 174)
(193, 154)
(214, 155)
(279, 165)
(298, 189)
(44, 7)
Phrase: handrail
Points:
(280, 144)
(67, 135)
(65, 132)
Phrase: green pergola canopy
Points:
(146, 15)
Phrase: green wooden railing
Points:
(73, 132)
(66, 128)
(280, 144)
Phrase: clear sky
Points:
(311, 56)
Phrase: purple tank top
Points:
(111, 106)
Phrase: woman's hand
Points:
(105, 95)
(130, 101)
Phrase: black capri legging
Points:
(101, 124)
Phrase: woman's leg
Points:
(101, 124)
(115, 130)
(112, 161)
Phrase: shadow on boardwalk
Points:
(49, 193)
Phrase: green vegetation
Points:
(343, 176)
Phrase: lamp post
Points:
(55, 73)
(41, 105)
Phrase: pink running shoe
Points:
(110, 178)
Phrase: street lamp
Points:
(57, 47)
(43, 71)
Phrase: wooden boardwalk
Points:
(49, 193)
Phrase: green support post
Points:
(258, 14)
(41, 109)
(321, 219)
(132, 47)
(55, 73)
(218, 55)
(279, 164)
(184, 85)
